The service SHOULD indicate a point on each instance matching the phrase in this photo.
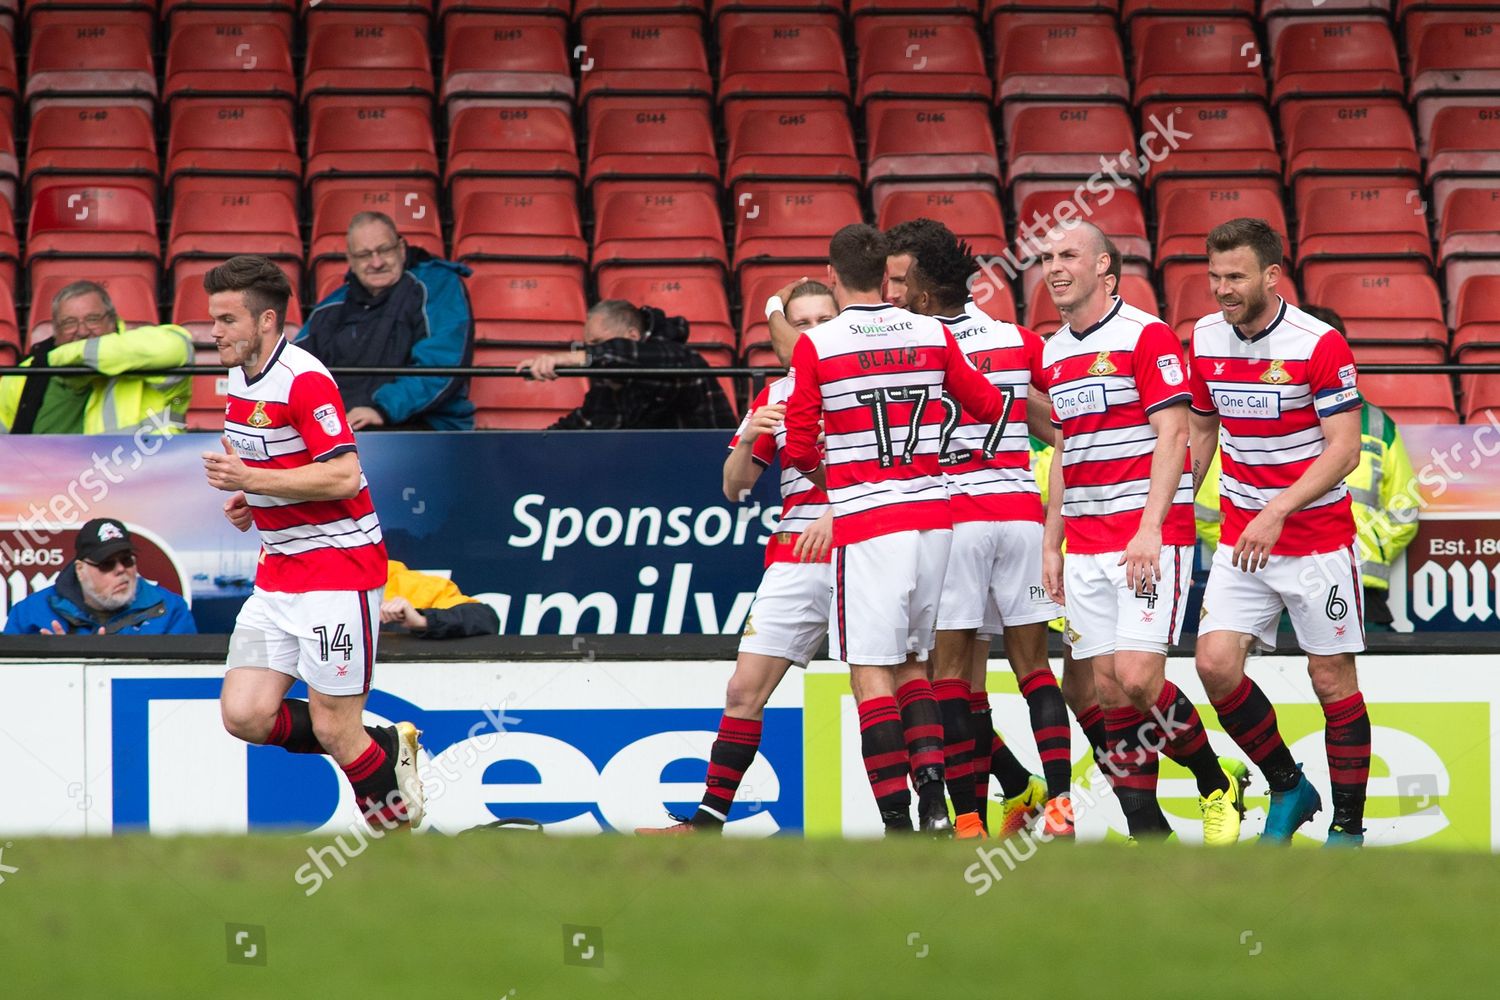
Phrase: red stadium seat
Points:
(10, 251)
(1198, 57)
(1481, 400)
(10, 330)
(1046, 142)
(1115, 210)
(362, 137)
(520, 219)
(1132, 9)
(1411, 398)
(249, 140)
(633, 58)
(781, 56)
(639, 140)
(131, 291)
(1348, 136)
(358, 52)
(84, 144)
(205, 224)
(973, 215)
(674, 11)
(1186, 215)
(526, 303)
(766, 143)
(174, 11)
(97, 221)
(488, 141)
(697, 297)
(1210, 138)
(210, 392)
(945, 146)
(225, 54)
(657, 222)
(868, 8)
(501, 57)
(992, 292)
(517, 403)
(1456, 57)
(1477, 338)
(1082, 7)
(1381, 308)
(1335, 59)
(1463, 150)
(1469, 237)
(921, 59)
(96, 55)
(790, 221)
(1058, 58)
(1364, 220)
(415, 213)
(10, 83)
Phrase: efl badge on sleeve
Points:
(327, 417)
(1171, 369)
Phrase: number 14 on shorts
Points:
(341, 642)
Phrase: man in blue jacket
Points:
(101, 592)
(398, 306)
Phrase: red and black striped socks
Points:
(1347, 740)
(1186, 741)
(958, 743)
(924, 731)
(373, 775)
(728, 760)
(1247, 715)
(1131, 768)
(1091, 721)
(1049, 723)
(883, 743)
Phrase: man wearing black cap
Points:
(102, 593)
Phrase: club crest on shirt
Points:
(1073, 635)
(1276, 374)
(1171, 369)
(258, 416)
(749, 626)
(327, 417)
(1102, 365)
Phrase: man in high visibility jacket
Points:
(88, 332)
(1384, 528)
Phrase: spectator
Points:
(618, 335)
(433, 608)
(101, 593)
(86, 331)
(398, 306)
(1385, 528)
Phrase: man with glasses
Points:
(121, 398)
(101, 593)
(398, 307)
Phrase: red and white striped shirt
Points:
(802, 503)
(289, 415)
(988, 466)
(1271, 392)
(874, 376)
(1105, 382)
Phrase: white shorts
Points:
(1105, 615)
(994, 578)
(325, 637)
(1323, 595)
(886, 592)
(789, 618)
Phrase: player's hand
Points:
(226, 472)
(1142, 559)
(1253, 551)
(766, 420)
(815, 541)
(400, 611)
(785, 292)
(237, 509)
(1052, 574)
(364, 416)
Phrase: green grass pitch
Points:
(496, 915)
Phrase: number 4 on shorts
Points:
(342, 641)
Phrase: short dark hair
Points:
(1114, 259)
(1256, 234)
(620, 314)
(808, 288)
(265, 285)
(857, 254)
(904, 237)
(1327, 315)
(943, 265)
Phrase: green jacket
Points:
(1384, 529)
(115, 401)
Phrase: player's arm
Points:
(1142, 557)
(336, 477)
(1039, 419)
(1203, 441)
(750, 454)
(783, 334)
(1052, 531)
(804, 413)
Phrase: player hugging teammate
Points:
(939, 537)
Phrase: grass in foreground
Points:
(483, 915)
